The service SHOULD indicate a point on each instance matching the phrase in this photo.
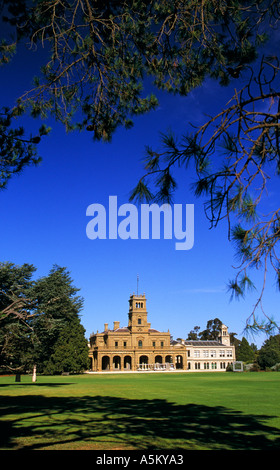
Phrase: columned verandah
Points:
(138, 361)
(113, 362)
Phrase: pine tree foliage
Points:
(99, 53)
(236, 152)
(16, 150)
(98, 56)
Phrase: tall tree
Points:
(212, 331)
(58, 305)
(269, 354)
(70, 352)
(193, 334)
(35, 315)
(245, 352)
(17, 339)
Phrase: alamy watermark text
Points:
(147, 222)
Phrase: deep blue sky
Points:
(43, 222)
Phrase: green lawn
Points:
(158, 411)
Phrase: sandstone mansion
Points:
(138, 347)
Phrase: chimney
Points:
(106, 326)
(116, 325)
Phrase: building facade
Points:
(139, 347)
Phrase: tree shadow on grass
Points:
(104, 422)
(46, 384)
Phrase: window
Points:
(196, 353)
(222, 353)
(197, 365)
(229, 353)
(206, 365)
(124, 344)
(154, 344)
(213, 353)
(116, 344)
(162, 344)
(206, 353)
(139, 321)
(214, 365)
(140, 343)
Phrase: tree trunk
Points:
(34, 374)
(17, 379)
